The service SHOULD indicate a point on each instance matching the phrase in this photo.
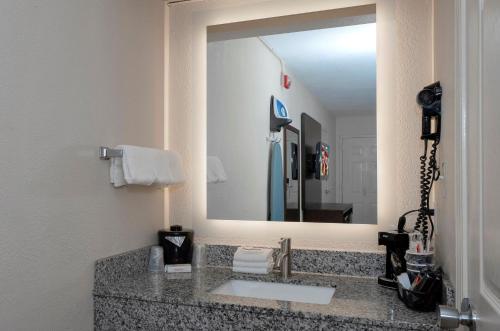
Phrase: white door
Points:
(359, 178)
(479, 24)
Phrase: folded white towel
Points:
(249, 270)
(146, 166)
(215, 170)
(253, 254)
(248, 264)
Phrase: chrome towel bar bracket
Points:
(105, 153)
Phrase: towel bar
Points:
(105, 153)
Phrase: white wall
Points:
(444, 71)
(75, 74)
(242, 76)
(404, 65)
(356, 126)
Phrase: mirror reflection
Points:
(291, 119)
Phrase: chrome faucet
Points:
(284, 259)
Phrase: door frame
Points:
(469, 69)
(285, 168)
(461, 154)
(339, 168)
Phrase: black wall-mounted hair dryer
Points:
(430, 100)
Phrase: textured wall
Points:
(413, 20)
(404, 65)
(75, 74)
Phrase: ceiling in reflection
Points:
(330, 62)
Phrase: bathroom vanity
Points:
(127, 297)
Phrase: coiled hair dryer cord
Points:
(428, 174)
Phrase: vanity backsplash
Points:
(369, 264)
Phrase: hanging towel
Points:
(146, 166)
(277, 196)
(116, 172)
(253, 254)
(215, 170)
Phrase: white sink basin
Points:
(276, 291)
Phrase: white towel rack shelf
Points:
(105, 153)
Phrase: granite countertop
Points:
(356, 299)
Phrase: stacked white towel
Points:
(146, 166)
(253, 260)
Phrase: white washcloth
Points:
(253, 254)
(247, 264)
(250, 270)
(215, 170)
(146, 166)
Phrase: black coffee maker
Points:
(396, 242)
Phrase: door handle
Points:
(451, 318)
